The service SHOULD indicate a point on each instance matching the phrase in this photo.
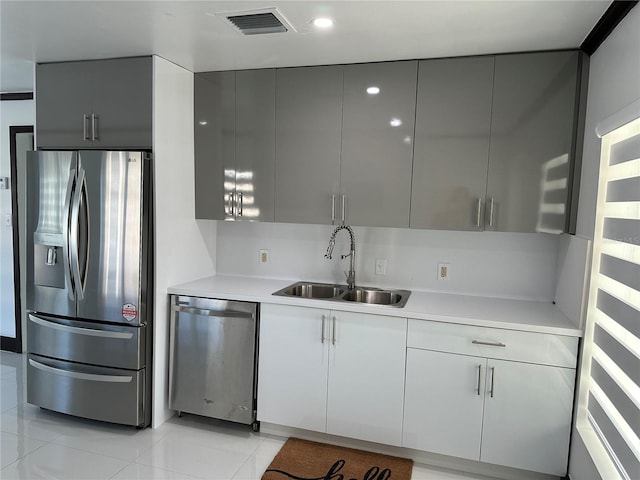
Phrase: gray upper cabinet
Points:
(308, 132)
(377, 143)
(215, 144)
(453, 123)
(95, 104)
(532, 134)
(234, 118)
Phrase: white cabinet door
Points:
(527, 416)
(443, 403)
(366, 377)
(292, 369)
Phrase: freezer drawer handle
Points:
(81, 376)
(81, 331)
(211, 313)
(490, 344)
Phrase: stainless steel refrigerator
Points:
(89, 284)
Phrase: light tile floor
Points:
(39, 444)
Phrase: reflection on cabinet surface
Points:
(308, 131)
(95, 104)
(234, 119)
(331, 371)
(453, 122)
(377, 143)
(532, 135)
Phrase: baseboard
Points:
(425, 458)
(8, 343)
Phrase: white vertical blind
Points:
(612, 336)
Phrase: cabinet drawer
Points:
(108, 394)
(496, 343)
(118, 346)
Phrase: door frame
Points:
(8, 343)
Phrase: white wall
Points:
(12, 113)
(614, 82)
(509, 265)
(184, 247)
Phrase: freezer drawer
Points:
(118, 346)
(107, 394)
(212, 358)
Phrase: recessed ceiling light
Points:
(322, 22)
(373, 90)
(395, 122)
(202, 122)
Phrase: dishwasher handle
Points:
(211, 313)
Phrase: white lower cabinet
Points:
(527, 421)
(443, 410)
(505, 412)
(332, 371)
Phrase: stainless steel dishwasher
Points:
(213, 358)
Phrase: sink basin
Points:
(375, 296)
(312, 290)
(341, 293)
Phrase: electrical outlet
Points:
(264, 256)
(381, 266)
(7, 220)
(444, 271)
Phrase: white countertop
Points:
(522, 315)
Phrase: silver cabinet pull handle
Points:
(478, 382)
(324, 319)
(491, 211)
(241, 202)
(85, 127)
(333, 208)
(479, 213)
(492, 381)
(81, 376)
(94, 127)
(230, 212)
(490, 344)
(333, 332)
(344, 208)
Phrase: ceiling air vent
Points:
(258, 22)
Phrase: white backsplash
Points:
(507, 265)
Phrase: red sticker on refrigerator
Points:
(129, 311)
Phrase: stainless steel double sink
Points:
(341, 293)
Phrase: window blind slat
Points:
(628, 461)
(622, 313)
(624, 404)
(620, 270)
(624, 190)
(622, 230)
(625, 151)
(627, 361)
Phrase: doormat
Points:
(305, 460)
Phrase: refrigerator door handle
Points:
(91, 332)
(73, 235)
(65, 226)
(81, 376)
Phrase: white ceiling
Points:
(189, 34)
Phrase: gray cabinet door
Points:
(453, 121)
(377, 142)
(215, 143)
(63, 98)
(308, 130)
(532, 131)
(255, 144)
(122, 103)
(95, 104)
